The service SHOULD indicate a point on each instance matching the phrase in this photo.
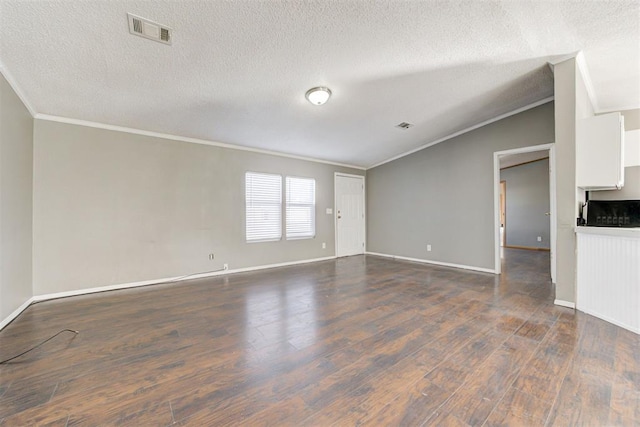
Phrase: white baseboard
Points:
(613, 321)
(85, 291)
(444, 264)
(15, 313)
(282, 264)
(563, 303)
(65, 294)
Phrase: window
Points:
(301, 208)
(263, 194)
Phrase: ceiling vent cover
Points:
(148, 29)
(404, 125)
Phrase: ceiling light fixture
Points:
(318, 95)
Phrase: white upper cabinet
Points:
(600, 152)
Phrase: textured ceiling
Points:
(237, 71)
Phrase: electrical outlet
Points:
(211, 257)
(324, 245)
(428, 248)
(225, 266)
(539, 238)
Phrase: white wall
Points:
(113, 207)
(16, 169)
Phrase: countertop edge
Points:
(610, 231)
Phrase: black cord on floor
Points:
(36, 346)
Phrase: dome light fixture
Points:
(318, 95)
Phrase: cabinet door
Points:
(600, 152)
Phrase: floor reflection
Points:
(279, 319)
(523, 271)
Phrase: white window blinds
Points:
(263, 194)
(301, 208)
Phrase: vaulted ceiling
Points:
(237, 71)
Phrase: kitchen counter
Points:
(610, 231)
(608, 276)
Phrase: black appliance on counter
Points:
(613, 213)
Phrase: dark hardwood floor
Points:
(355, 341)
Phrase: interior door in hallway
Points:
(350, 219)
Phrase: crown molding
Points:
(135, 131)
(14, 85)
(469, 129)
(583, 69)
(586, 78)
(618, 110)
(578, 56)
(561, 58)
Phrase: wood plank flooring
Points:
(356, 341)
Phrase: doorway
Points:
(350, 215)
(545, 149)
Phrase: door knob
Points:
(339, 217)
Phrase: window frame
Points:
(247, 206)
(311, 206)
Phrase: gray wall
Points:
(443, 195)
(631, 119)
(527, 202)
(564, 76)
(16, 172)
(631, 189)
(113, 207)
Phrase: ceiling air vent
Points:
(148, 29)
(165, 35)
(404, 125)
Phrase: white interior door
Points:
(350, 220)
